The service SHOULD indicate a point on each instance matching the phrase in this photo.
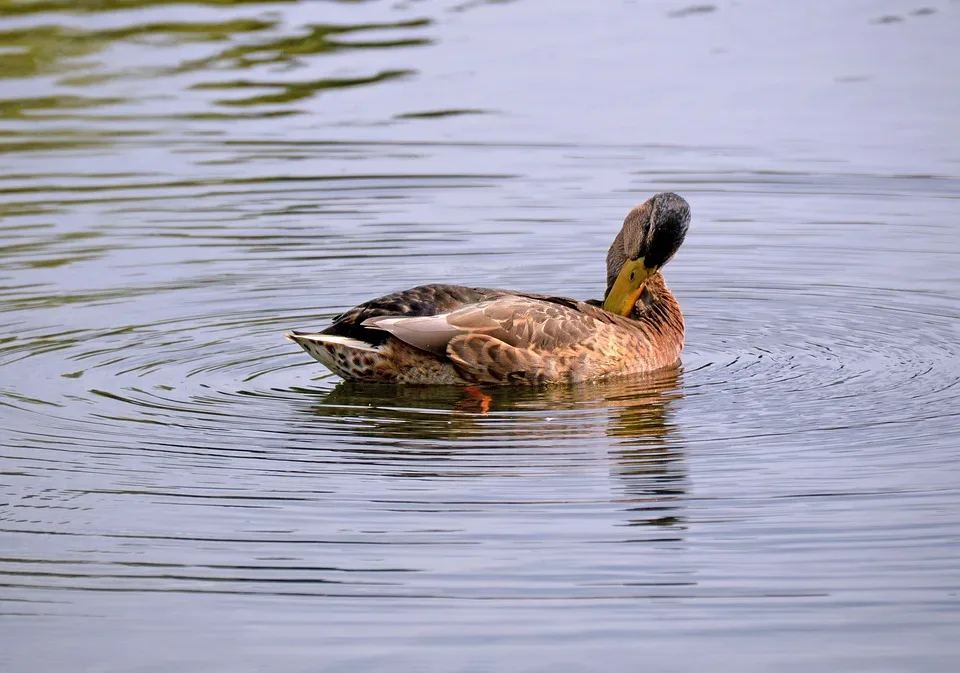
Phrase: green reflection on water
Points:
(82, 56)
(319, 39)
(437, 114)
(17, 8)
(293, 91)
(19, 108)
(53, 49)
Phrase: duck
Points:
(443, 334)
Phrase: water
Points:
(181, 489)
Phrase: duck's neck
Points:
(658, 317)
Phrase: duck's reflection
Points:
(648, 454)
(628, 420)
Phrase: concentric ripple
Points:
(842, 357)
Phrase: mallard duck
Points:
(450, 334)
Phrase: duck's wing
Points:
(538, 322)
(514, 336)
(424, 300)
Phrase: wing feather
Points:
(429, 333)
(527, 322)
(520, 321)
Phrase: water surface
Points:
(181, 489)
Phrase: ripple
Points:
(851, 357)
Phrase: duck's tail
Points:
(341, 355)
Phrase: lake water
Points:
(182, 489)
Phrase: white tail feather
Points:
(347, 342)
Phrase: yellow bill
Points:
(627, 288)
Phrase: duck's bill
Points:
(628, 286)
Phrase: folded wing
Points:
(503, 338)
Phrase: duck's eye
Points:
(633, 274)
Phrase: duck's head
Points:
(651, 235)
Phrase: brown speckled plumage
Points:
(449, 334)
